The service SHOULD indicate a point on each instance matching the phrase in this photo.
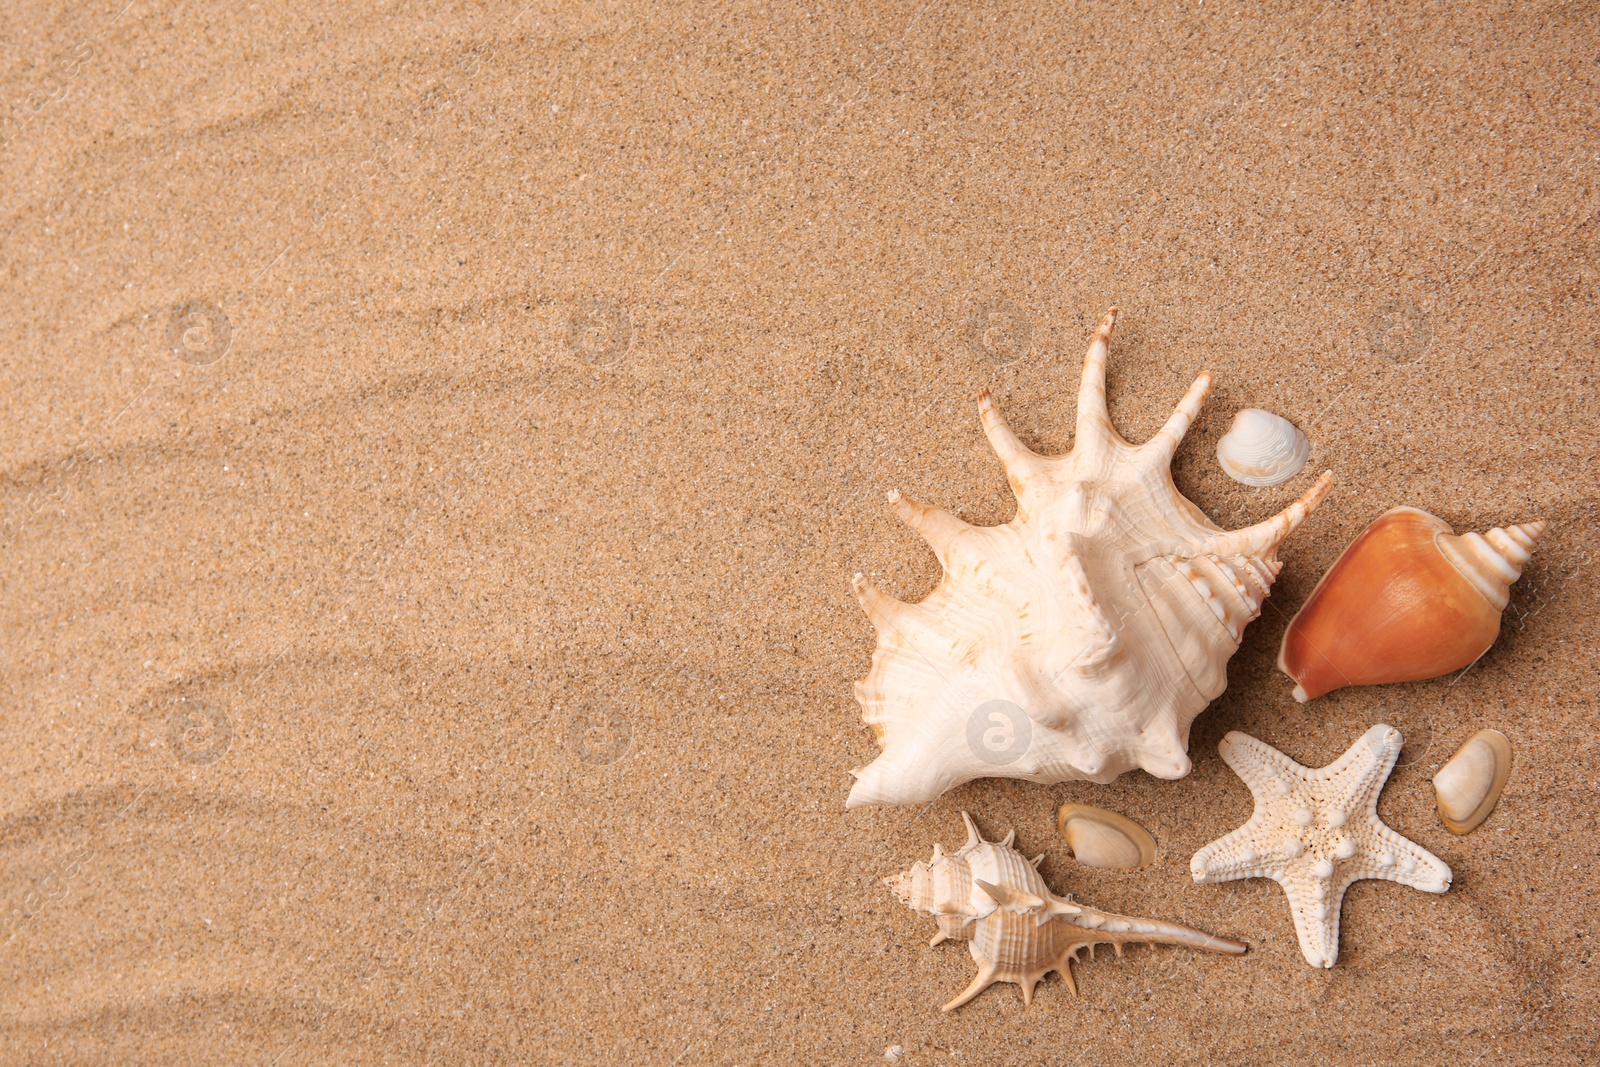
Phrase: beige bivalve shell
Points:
(1469, 785)
(988, 895)
(1101, 838)
(1262, 449)
(1078, 640)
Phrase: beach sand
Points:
(437, 442)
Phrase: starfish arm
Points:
(1237, 855)
(1390, 856)
(1258, 763)
(1315, 904)
(1353, 781)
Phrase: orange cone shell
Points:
(1408, 600)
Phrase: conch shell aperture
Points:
(1408, 600)
(1078, 640)
(988, 895)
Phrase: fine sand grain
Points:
(437, 440)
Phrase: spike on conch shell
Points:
(1077, 641)
(1262, 449)
(1408, 600)
(1101, 838)
(1470, 783)
(990, 896)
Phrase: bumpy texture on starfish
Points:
(1316, 831)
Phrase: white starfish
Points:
(1316, 831)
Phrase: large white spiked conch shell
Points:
(1078, 640)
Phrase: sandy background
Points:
(437, 442)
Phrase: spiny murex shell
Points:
(989, 896)
(1078, 640)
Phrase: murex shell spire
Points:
(1078, 640)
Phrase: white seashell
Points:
(1469, 785)
(1101, 838)
(986, 893)
(1078, 640)
(1262, 449)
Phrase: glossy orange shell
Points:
(1392, 608)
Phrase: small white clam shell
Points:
(1101, 838)
(1469, 785)
(1262, 449)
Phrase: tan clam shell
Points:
(1101, 838)
(1469, 784)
